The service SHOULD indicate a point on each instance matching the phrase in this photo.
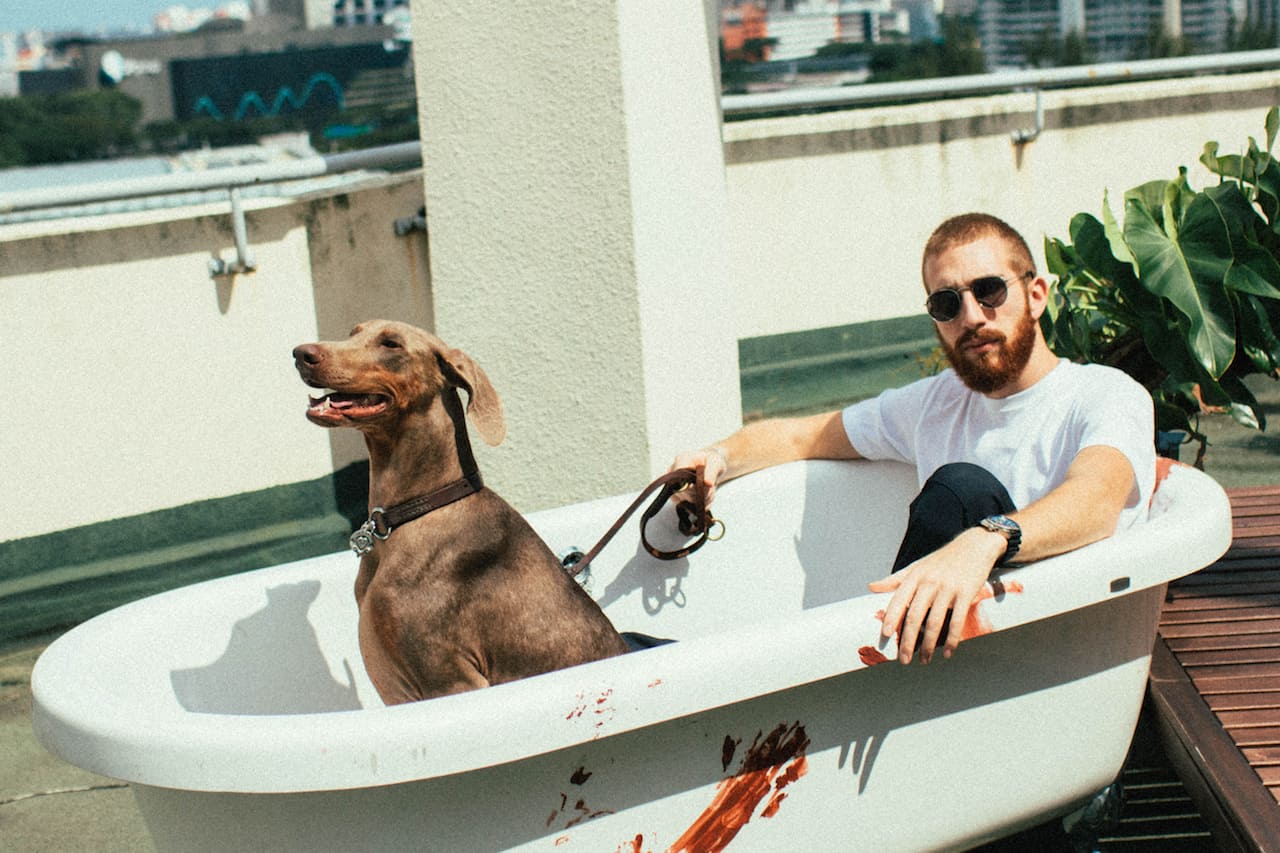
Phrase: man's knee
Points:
(955, 497)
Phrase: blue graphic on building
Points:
(252, 105)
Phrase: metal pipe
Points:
(1023, 135)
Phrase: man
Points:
(1021, 455)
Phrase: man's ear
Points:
(1038, 296)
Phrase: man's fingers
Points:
(933, 630)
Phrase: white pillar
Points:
(575, 194)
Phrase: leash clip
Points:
(368, 534)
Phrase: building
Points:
(794, 29)
(1115, 30)
(237, 69)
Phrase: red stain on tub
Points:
(597, 708)
(727, 749)
(579, 811)
(871, 656)
(773, 762)
(635, 845)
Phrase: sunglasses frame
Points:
(993, 301)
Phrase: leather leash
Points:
(693, 519)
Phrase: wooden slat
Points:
(1263, 756)
(1265, 628)
(1250, 718)
(1241, 812)
(1209, 636)
(1243, 701)
(1220, 633)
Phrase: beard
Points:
(991, 371)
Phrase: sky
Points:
(86, 15)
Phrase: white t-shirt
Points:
(1027, 440)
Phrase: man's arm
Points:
(770, 442)
(1084, 508)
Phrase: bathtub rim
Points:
(379, 746)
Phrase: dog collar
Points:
(382, 521)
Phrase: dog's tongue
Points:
(348, 401)
(344, 402)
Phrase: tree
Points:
(955, 53)
(78, 125)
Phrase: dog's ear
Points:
(483, 405)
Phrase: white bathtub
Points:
(240, 711)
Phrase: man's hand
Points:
(709, 463)
(946, 582)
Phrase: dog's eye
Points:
(391, 343)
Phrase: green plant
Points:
(1184, 294)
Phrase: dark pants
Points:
(955, 498)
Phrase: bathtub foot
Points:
(1100, 816)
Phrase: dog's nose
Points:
(309, 354)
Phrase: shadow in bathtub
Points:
(849, 536)
(273, 664)
(659, 582)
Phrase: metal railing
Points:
(232, 179)
(938, 88)
(798, 100)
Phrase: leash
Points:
(692, 517)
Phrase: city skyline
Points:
(83, 15)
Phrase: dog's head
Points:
(387, 370)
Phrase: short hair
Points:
(967, 227)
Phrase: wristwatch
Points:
(1009, 529)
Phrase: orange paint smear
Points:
(974, 623)
(769, 766)
(871, 656)
(635, 845)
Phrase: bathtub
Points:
(240, 711)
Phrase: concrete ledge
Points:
(58, 579)
(878, 127)
(823, 369)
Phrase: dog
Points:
(466, 595)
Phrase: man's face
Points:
(987, 347)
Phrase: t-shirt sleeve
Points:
(1121, 416)
(884, 427)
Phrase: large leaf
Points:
(1257, 335)
(1151, 194)
(1189, 273)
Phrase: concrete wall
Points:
(828, 213)
(575, 211)
(136, 382)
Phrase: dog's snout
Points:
(309, 354)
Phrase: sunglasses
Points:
(990, 291)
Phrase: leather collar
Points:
(382, 521)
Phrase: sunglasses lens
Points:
(990, 292)
(943, 305)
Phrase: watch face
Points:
(1002, 524)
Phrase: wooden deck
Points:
(1215, 680)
